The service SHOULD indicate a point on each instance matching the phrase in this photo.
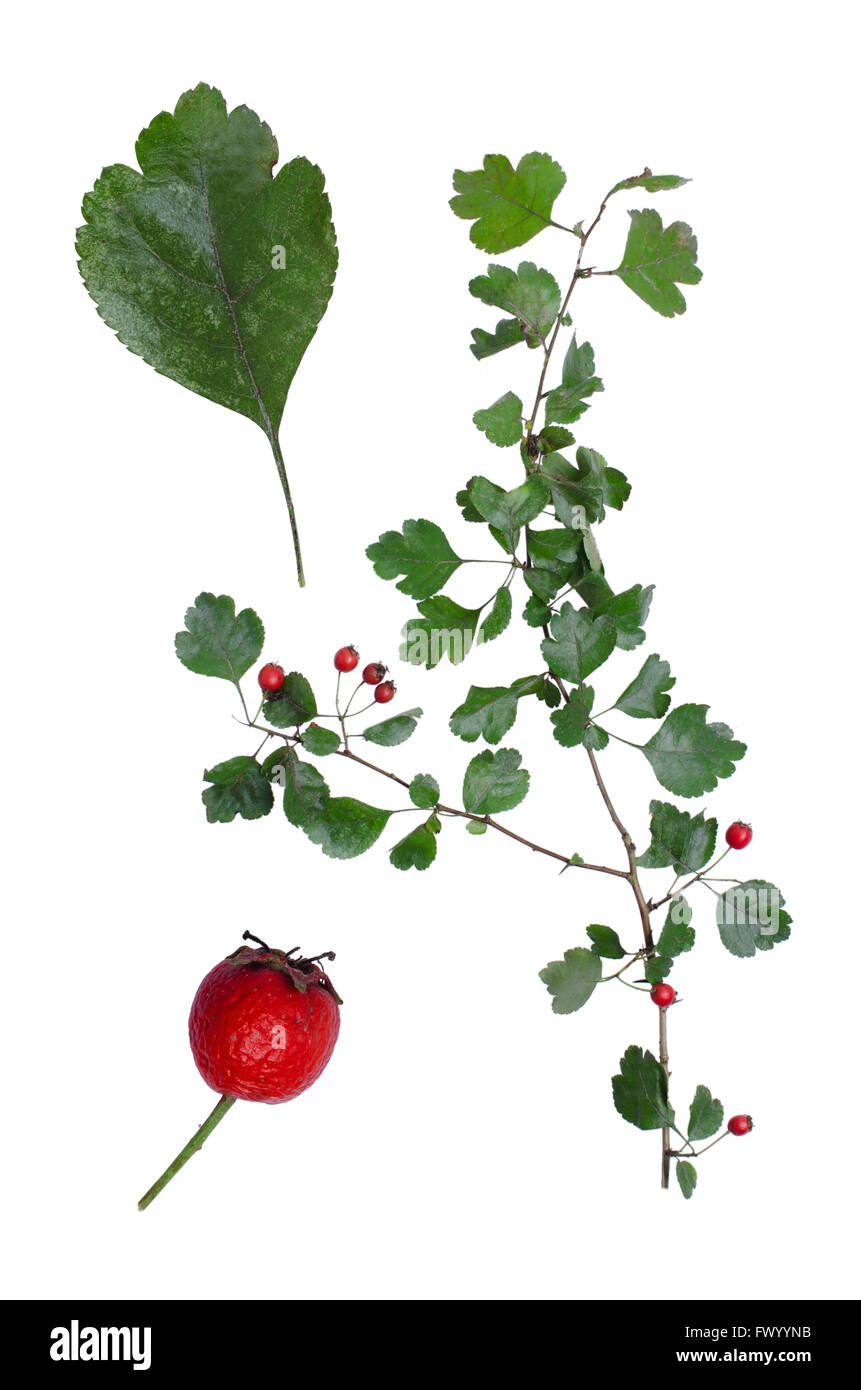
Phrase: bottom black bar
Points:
(80, 1337)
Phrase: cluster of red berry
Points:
(347, 659)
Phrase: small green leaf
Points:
(627, 610)
(580, 643)
(424, 791)
(645, 697)
(476, 827)
(530, 294)
(554, 437)
(416, 850)
(657, 968)
(498, 618)
(487, 712)
(595, 738)
(536, 613)
(294, 704)
(688, 755)
(346, 828)
(677, 934)
(218, 641)
(605, 942)
(653, 183)
(494, 782)
(320, 742)
(640, 1091)
(566, 403)
(572, 980)
(678, 838)
(706, 1115)
(390, 732)
(687, 1176)
(507, 333)
(444, 629)
(502, 422)
(306, 794)
(238, 788)
(555, 549)
(421, 553)
(510, 206)
(751, 917)
(657, 260)
(570, 721)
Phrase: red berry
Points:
(663, 996)
(373, 674)
(270, 677)
(255, 1034)
(739, 835)
(385, 692)
(346, 659)
(740, 1124)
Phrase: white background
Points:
(462, 1143)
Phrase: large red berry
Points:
(740, 1124)
(739, 835)
(270, 677)
(346, 659)
(663, 996)
(263, 1025)
(385, 692)
(373, 674)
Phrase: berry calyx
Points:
(739, 835)
(740, 1124)
(663, 996)
(346, 659)
(385, 692)
(270, 677)
(373, 674)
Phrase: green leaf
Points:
(494, 782)
(555, 549)
(502, 422)
(657, 260)
(580, 643)
(218, 641)
(569, 722)
(390, 732)
(640, 1091)
(320, 742)
(657, 968)
(530, 294)
(580, 495)
(487, 712)
(688, 755)
(498, 618)
(627, 610)
(421, 553)
(476, 827)
(554, 437)
(424, 791)
(751, 917)
(507, 333)
(346, 828)
(205, 266)
(306, 794)
(292, 705)
(678, 838)
(238, 788)
(572, 980)
(536, 613)
(274, 766)
(510, 206)
(610, 483)
(645, 697)
(416, 850)
(687, 1176)
(653, 183)
(444, 629)
(566, 403)
(706, 1115)
(605, 942)
(677, 934)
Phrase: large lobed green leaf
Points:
(688, 755)
(238, 788)
(218, 641)
(509, 206)
(640, 1091)
(494, 782)
(657, 260)
(678, 838)
(207, 267)
(752, 917)
(572, 980)
(420, 552)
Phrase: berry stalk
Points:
(185, 1154)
